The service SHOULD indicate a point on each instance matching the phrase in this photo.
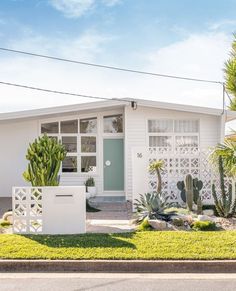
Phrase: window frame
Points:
(174, 134)
(78, 135)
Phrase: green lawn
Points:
(140, 245)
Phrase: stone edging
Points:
(128, 266)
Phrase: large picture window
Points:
(173, 134)
(80, 140)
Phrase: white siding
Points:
(14, 141)
(136, 132)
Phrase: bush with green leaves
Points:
(152, 206)
(144, 225)
(157, 167)
(45, 155)
(204, 226)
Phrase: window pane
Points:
(113, 124)
(161, 125)
(69, 165)
(160, 141)
(51, 127)
(88, 125)
(69, 126)
(186, 141)
(70, 143)
(88, 164)
(88, 144)
(186, 126)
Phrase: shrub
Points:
(204, 225)
(144, 226)
(5, 223)
(178, 222)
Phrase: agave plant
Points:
(152, 206)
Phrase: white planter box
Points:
(49, 210)
(92, 191)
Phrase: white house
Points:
(101, 138)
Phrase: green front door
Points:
(113, 162)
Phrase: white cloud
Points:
(76, 8)
(201, 56)
(225, 23)
(72, 8)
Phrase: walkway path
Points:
(113, 217)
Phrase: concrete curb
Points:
(120, 266)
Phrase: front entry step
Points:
(108, 199)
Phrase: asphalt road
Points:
(116, 282)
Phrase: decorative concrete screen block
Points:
(177, 164)
(49, 210)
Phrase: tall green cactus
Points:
(188, 182)
(45, 156)
(190, 190)
(226, 203)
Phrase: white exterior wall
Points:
(136, 132)
(14, 141)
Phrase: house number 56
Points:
(139, 155)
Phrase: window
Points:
(69, 126)
(160, 141)
(113, 124)
(173, 134)
(88, 125)
(88, 144)
(81, 146)
(52, 127)
(160, 125)
(186, 126)
(70, 143)
(69, 164)
(88, 164)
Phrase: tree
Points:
(230, 74)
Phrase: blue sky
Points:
(183, 37)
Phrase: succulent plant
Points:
(190, 190)
(225, 203)
(45, 155)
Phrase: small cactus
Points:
(199, 206)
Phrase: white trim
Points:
(76, 108)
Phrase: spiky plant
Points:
(230, 74)
(227, 152)
(225, 203)
(45, 156)
(152, 206)
(157, 167)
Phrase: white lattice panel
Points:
(27, 210)
(177, 165)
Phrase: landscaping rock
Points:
(158, 224)
(208, 212)
(205, 218)
(7, 216)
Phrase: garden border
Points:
(120, 266)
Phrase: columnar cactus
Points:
(188, 182)
(45, 156)
(225, 204)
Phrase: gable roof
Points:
(112, 104)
